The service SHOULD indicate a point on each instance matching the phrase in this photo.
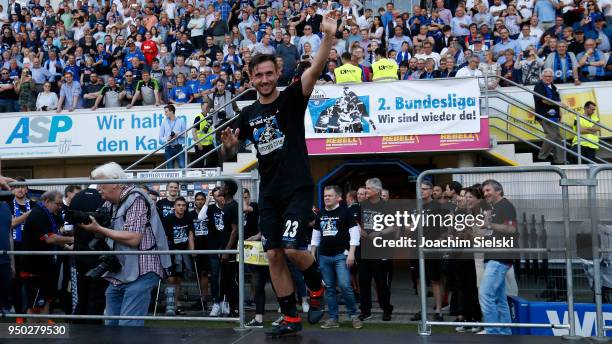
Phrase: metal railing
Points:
(186, 132)
(561, 106)
(239, 250)
(425, 325)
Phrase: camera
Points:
(172, 134)
(102, 216)
(222, 115)
(107, 262)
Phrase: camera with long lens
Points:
(103, 216)
(222, 115)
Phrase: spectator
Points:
(505, 43)
(525, 39)
(563, 64)
(46, 100)
(181, 93)
(545, 12)
(197, 25)
(70, 94)
(449, 71)
(395, 42)
(41, 232)
(552, 115)
(336, 232)
(91, 91)
(7, 262)
(129, 291)
(264, 47)
(147, 91)
(460, 24)
(26, 88)
(591, 62)
(111, 94)
(500, 221)
(218, 28)
(491, 69)
(311, 38)
(530, 67)
(430, 72)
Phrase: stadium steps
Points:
(506, 154)
(244, 163)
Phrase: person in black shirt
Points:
(355, 209)
(229, 241)
(434, 231)
(377, 268)
(165, 206)
(200, 233)
(216, 226)
(90, 292)
(500, 223)
(336, 236)
(179, 230)
(42, 233)
(275, 124)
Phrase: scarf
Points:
(559, 76)
(17, 232)
(51, 217)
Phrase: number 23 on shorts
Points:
(290, 232)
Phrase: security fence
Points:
(185, 180)
(555, 225)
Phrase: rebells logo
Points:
(43, 129)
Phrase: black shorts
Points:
(283, 221)
(203, 263)
(40, 288)
(433, 269)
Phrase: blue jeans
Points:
(130, 299)
(336, 273)
(492, 297)
(169, 152)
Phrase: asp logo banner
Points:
(86, 133)
(394, 108)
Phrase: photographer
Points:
(215, 100)
(135, 226)
(90, 291)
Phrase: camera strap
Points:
(124, 215)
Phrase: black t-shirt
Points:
(216, 226)
(502, 212)
(230, 217)
(355, 209)
(38, 226)
(277, 130)
(200, 231)
(86, 200)
(334, 226)
(251, 221)
(433, 229)
(368, 212)
(177, 231)
(165, 207)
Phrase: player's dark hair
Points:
(71, 189)
(230, 188)
(262, 58)
(336, 189)
(199, 193)
(180, 199)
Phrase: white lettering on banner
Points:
(587, 328)
(115, 131)
(394, 108)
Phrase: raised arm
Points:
(329, 26)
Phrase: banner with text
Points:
(394, 108)
(86, 133)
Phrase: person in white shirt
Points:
(534, 28)
(497, 9)
(46, 100)
(197, 24)
(429, 54)
(525, 7)
(365, 21)
(460, 23)
(471, 70)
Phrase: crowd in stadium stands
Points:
(39, 284)
(89, 54)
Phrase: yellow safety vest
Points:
(204, 127)
(591, 137)
(384, 69)
(347, 73)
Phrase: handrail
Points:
(526, 107)
(534, 127)
(223, 126)
(184, 132)
(507, 132)
(559, 104)
(547, 140)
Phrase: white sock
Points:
(259, 317)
